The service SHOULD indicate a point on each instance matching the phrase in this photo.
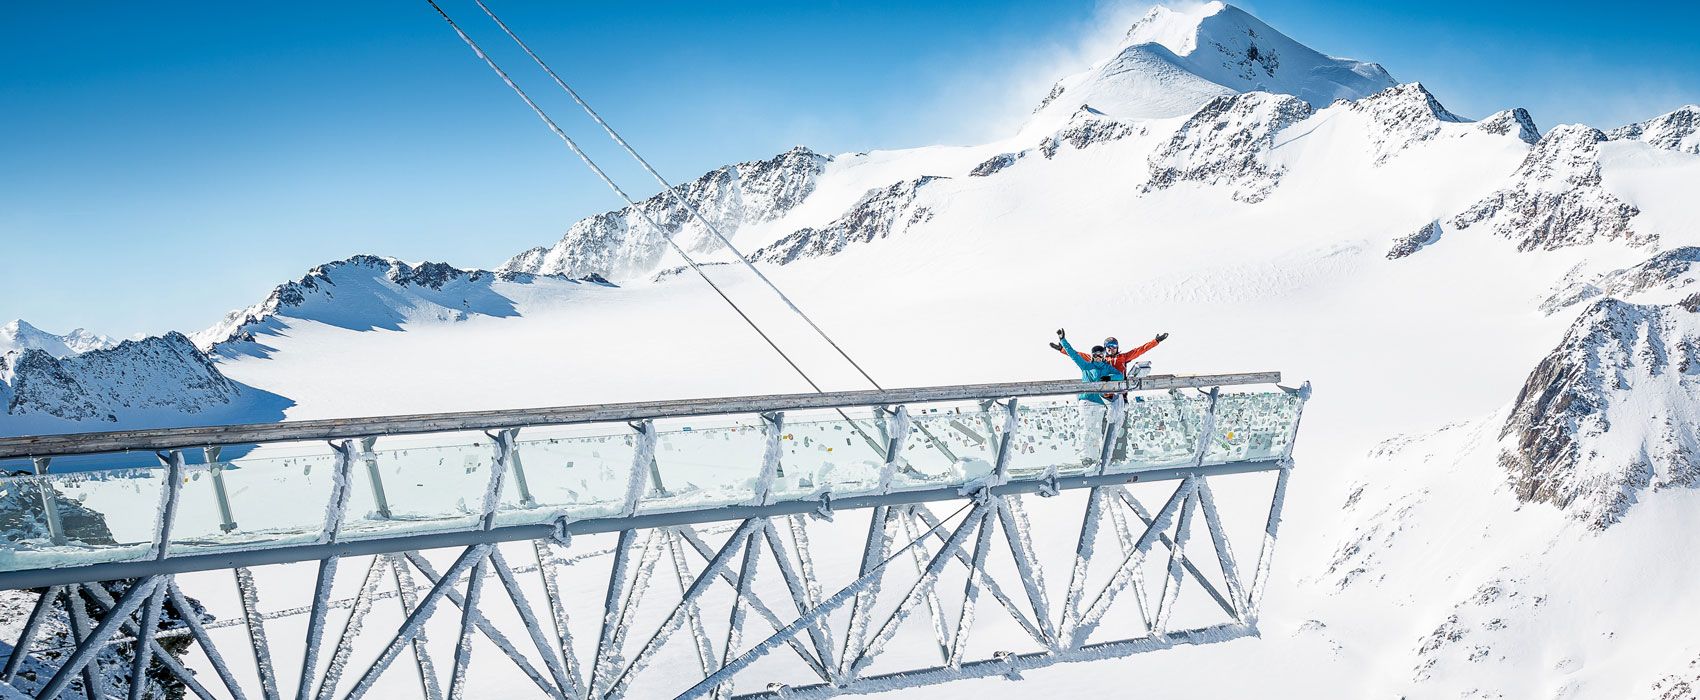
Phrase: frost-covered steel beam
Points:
(1007, 665)
(38, 578)
(342, 428)
(26, 636)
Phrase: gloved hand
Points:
(1060, 333)
(1162, 337)
(1056, 346)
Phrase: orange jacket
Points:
(1120, 360)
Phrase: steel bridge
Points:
(804, 536)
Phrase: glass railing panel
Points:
(1049, 434)
(949, 444)
(573, 471)
(823, 451)
(104, 516)
(1252, 426)
(1159, 430)
(418, 483)
(704, 463)
(273, 495)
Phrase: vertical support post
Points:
(335, 513)
(503, 444)
(643, 466)
(1207, 428)
(372, 476)
(142, 655)
(226, 520)
(468, 621)
(428, 686)
(49, 503)
(1177, 555)
(1019, 535)
(173, 462)
(971, 589)
(1254, 598)
(1113, 419)
(518, 468)
(336, 508)
(1083, 549)
(256, 624)
(735, 622)
(1303, 392)
(82, 626)
(1224, 549)
(1012, 419)
(873, 557)
(558, 613)
(897, 430)
(773, 424)
(611, 602)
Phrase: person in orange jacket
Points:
(1112, 354)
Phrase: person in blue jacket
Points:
(1095, 369)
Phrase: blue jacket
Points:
(1092, 371)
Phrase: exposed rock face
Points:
(1512, 121)
(1403, 115)
(1611, 412)
(878, 214)
(995, 164)
(366, 291)
(1227, 143)
(620, 244)
(1424, 237)
(1669, 271)
(1677, 131)
(1087, 127)
(165, 372)
(1555, 198)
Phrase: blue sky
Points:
(162, 163)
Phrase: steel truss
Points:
(743, 603)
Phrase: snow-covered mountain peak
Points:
(163, 375)
(1172, 61)
(18, 335)
(1512, 120)
(1676, 131)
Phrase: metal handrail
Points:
(342, 428)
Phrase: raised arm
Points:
(1079, 359)
(1141, 350)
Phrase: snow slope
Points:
(1495, 484)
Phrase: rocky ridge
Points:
(1676, 131)
(160, 373)
(620, 244)
(880, 213)
(367, 291)
(1227, 144)
(1610, 413)
(1555, 198)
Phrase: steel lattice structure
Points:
(765, 598)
